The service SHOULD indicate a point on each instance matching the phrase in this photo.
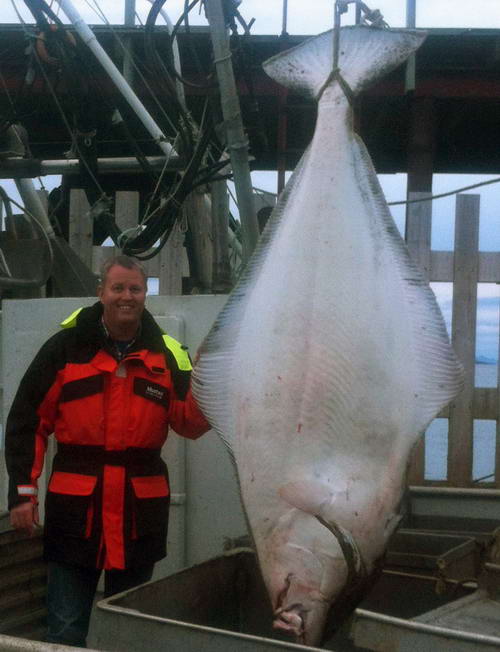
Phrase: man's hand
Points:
(24, 517)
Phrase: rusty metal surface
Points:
(219, 605)
(448, 555)
(468, 624)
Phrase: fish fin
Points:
(365, 54)
(212, 377)
(440, 373)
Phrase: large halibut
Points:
(331, 356)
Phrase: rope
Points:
(444, 194)
(224, 58)
(335, 75)
(374, 17)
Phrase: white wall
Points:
(206, 507)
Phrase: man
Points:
(109, 385)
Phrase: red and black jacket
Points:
(108, 495)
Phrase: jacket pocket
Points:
(151, 502)
(70, 503)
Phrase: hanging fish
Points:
(331, 356)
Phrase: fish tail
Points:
(365, 54)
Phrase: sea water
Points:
(484, 438)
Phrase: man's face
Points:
(123, 296)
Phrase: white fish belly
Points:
(324, 382)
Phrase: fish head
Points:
(305, 570)
(302, 607)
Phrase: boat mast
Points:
(236, 140)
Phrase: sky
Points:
(306, 17)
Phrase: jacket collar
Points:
(89, 328)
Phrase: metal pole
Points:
(129, 12)
(90, 40)
(114, 165)
(285, 18)
(34, 204)
(411, 21)
(221, 269)
(236, 141)
(358, 14)
(411, 13)
(129, 20)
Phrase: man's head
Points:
(122, 292)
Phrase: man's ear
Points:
(99, 291)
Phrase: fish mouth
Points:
(291, 619)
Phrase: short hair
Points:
(122, 261)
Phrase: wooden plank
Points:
(171, 259)
(497, 438)
(80, 226)
(126, 209)
(485, 404)
(466, 269)
(418, 240)
(99, 255)
(221, 272)
(198, 211)
(442, 266)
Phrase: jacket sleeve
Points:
(30, 422)
(186, 418)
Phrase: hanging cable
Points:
(5, 199)
(444, 194)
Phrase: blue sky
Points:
(310, 18)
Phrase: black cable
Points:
(5, 199)
(162, 224)
(194, 54)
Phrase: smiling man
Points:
(122, 293)
(108, 385)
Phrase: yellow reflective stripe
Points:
(181, 355)
(70, 322)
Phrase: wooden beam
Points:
(126, 209)
(80, 226)
(497, 416)
(221, 269)
(442, 266)
(418, 240)
(421, 145)
(466, 270)
(171, 263)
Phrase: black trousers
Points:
(70, 595)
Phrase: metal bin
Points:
(218, 606)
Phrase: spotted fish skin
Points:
(330, 357)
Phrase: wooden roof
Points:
(457, 72)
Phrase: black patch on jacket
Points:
(152, 391)
(82, 388)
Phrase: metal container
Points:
(381, 633)
(446, 556)
(219, 605)
(481, 529)
(468, 624)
